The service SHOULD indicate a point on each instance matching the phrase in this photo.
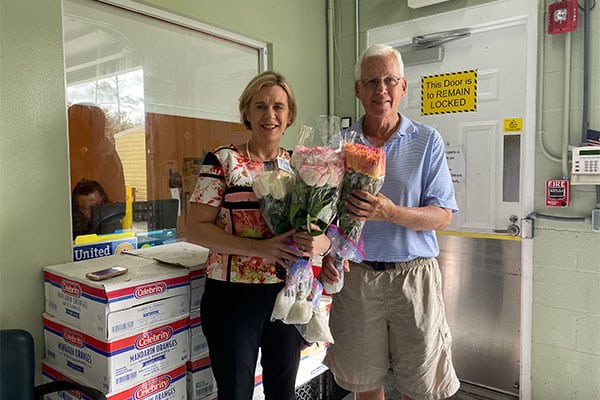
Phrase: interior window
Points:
(148, 94)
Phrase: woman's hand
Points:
(277, 249)
(311, 246)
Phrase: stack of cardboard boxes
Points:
(138, 335)
(129, 335)
(201, 383)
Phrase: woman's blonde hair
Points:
(267, 78)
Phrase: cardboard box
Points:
(200, 379)
(212, 396)
(182, 254)
(311, 363)
(198, 345)
(93, 306)
(170, 385)
(99, 247)
(197, 275)
(114, 366)
(311, 366)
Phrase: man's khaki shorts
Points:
(392, 319)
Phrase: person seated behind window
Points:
(85, 195)
(92, 153)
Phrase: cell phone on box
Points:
(106, 273)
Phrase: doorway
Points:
(471, 74)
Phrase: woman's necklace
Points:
(254, 157)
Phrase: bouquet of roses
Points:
(316, 192)
(364, 169)
(312, 206)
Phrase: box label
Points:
(103, 249)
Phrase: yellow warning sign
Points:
(453, 92)
(513, 124)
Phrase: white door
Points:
(491, 144)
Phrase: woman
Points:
(85, 195)
(246, 265)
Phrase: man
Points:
(390, 313)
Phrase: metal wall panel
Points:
(482, 285)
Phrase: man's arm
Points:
(364, 206)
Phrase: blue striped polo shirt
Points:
(416, 175)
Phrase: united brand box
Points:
(111, 308)
(97, 247)
(114, 366)
(170, 385)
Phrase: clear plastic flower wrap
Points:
(364, 168)
(319, 169)
(293, 304)
(317, 329)
(273, 191)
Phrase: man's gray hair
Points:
(377, 50)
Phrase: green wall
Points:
(34, 184)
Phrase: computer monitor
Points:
(159, 214)
(107, 218)
(162, 214)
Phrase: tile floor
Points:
(393, 394)
(467, 392)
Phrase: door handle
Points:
(513, 229)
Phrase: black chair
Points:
(17, 371)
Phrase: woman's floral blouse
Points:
(225, 182)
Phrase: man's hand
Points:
(329, 273)
(365, 206)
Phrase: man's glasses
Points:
(388, 81)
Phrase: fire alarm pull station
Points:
(562, 16)
(557, 193)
